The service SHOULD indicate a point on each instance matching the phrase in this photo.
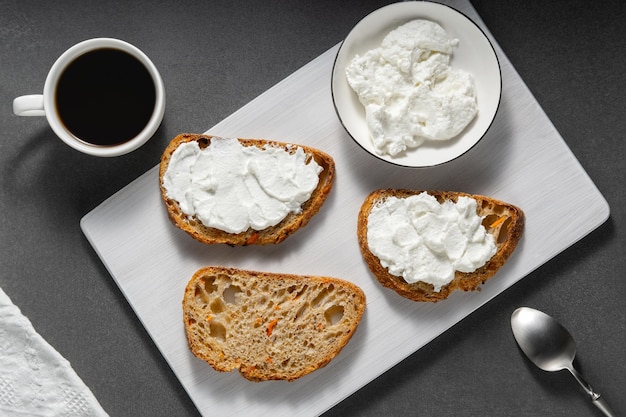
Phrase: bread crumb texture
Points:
(269, 326)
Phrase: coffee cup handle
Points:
(29, 105)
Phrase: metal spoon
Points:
(551, 347)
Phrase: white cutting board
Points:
(522, 160)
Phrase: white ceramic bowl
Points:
(474, 54)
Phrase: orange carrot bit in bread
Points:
(270, 327)
(498, 222)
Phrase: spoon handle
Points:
(604, 407)
(595, 397)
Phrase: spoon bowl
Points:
(544, 340)
(551, 347)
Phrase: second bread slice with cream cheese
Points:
(421, 244)
(246, 202)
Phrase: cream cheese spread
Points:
(420, 239)
(409, 90)
(232, 187)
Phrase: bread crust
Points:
(269, 326)
(507, 232)
(271, 235)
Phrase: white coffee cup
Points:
(47, 104)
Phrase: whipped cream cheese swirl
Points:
(420, 239)
(232, 187)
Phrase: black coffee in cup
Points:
(105, 97)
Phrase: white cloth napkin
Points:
(35, 380)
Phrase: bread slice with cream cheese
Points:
(270, 235)
(505, 222)
(269, 326)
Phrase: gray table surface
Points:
(214, 58)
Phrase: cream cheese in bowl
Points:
(416, 84)
(409, 91)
